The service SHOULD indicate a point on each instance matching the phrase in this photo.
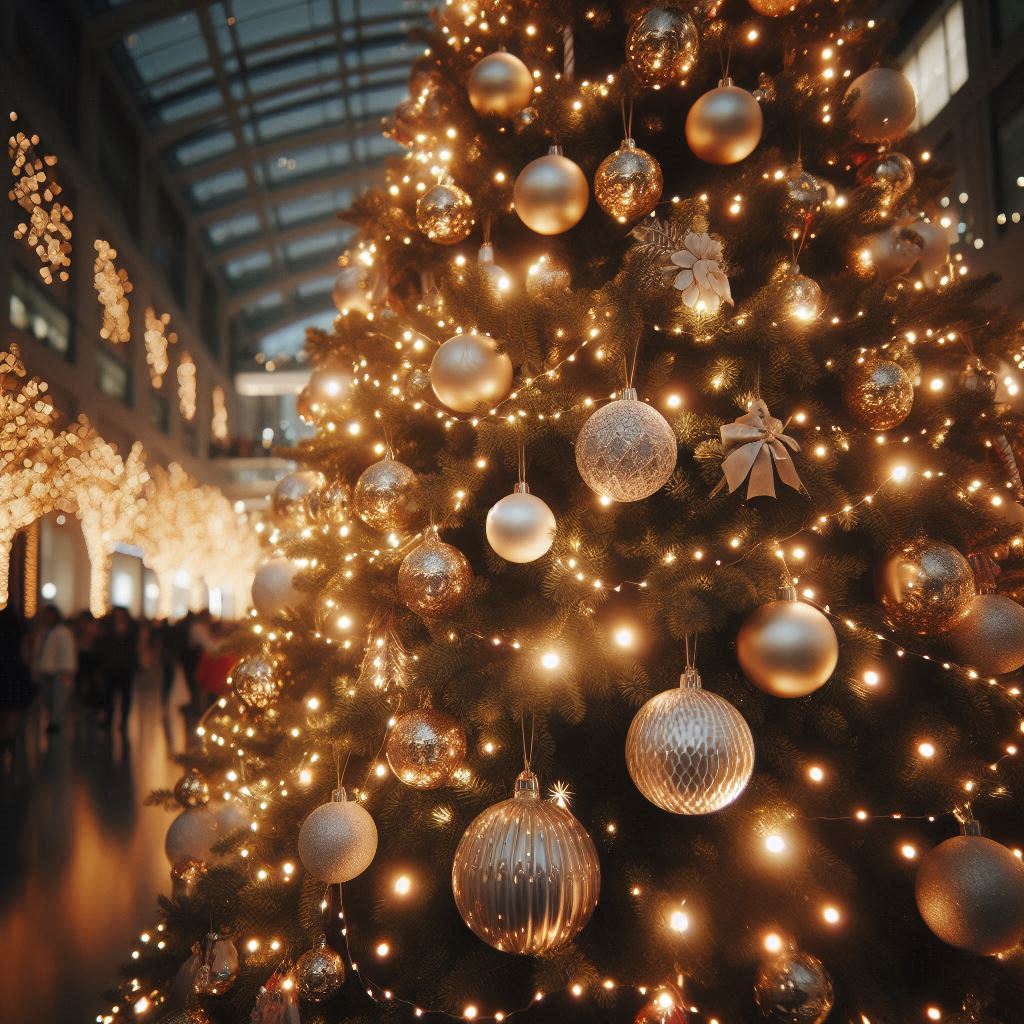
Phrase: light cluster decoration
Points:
(158, 339)
(187, 387)
(219, 428)
(112, 290)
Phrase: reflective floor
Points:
(81, 860)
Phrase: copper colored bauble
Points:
(551, 193)
(520, 527)
(990, 637)
(526, 876)
(185, 876)
(801, 297)
(274, 593)
(499, 85)
(424, 747)
(787, 648)
(319, 972)
(217, 969)
(689, 751)
(354, 289)
(626, 450)
(627, 185)
(891, 173)
(794, 988)
(890, 253)
(293, 493)
(329, 504)
(434, 578)
(547, 277)
(662, 45)
(470, 374)
(444, 214)
(191, 836)
(806, 194)
(878, 394)
(257, 680)
(933, 262)
(724, 126)
(276, 1002)
(926, 587)
(883, 107)
(970, 893)
(192, 789)
(338, 840)
(327, 392)
(387, 496)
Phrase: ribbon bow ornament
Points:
(753, 443)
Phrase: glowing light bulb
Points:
(816, 773)
(773, 942)
(624, 636)
(909, 851)
(926, 749)
(679, 922)
(550, 660)
(830, 914)
(403, 884)
(774, 843)
(383, 949)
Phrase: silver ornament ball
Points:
(520, 527)
(191, 836)
(274, 594)
(338, 840)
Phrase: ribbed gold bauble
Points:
(338, 840)
(387, 495)
(627, 185)
(192, 789)
(724, 126)
(520, 527)
(884, 106)
(469, 374)
(794, 988)
(774, 8)
(293, 493)
(444, 214)
(257, 680)
(926, 587)
(526, 877)
(879, 394)
(434, 578)
(274, 593)
(424, 747)
(990, 637)
(499, 85)
(551, 193)
(662, 45)
(319, 972)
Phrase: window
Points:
(1009, 17)
(937, 63)
(1008, 126)
(169, 245)
(112, 376)
(34, 310)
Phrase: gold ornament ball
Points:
(801, 297)
(551, 194)
(293, 493)
(387, 495)
(890, 253)
(925, 587)
(526, 877)
(319, 972)
(787, 648)
(500, 85)
(274, 594)
(520, 527)
(469, 374)
(970, 893)
(626, 450)
(445, 214)
(547, 277)
(724, 126)
(330, 503)
(794, 988)
(424, 747)
(628, 183)
(689, 751)
(351, 292)
(192, 789)
(257, 680)
(434, 578)
(327, 393)
(891, 173)
(338, 840)
(662, 45)
(191, 835)
(883, 107)
(879, 394)
(990, 637)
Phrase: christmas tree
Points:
(631, 646)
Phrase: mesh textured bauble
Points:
(884, 106)
(338, 840)
(526, 876)
(424, 747)
(192, 789)
(970, 893)
(319, 972)
(990, 637)
(926, 587)
(469, 374)
(724, 126)
(329, 505)
(662, 45)
(794, 988)
(551, 194)
(274, 593)
(499, 85)
(444, 214)
(626, 450)
(627, 185)
(801, 297)
(191, 835)
(217, 967)
(387, 495)
(879, 394)
(689, 751)
(546, 278)
(787, 648)
(434, 578)
(520, 527)
(293, 493)
(257, 680)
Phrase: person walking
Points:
(118, 661)
(54, 664)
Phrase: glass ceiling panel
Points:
(323, 204)
(204, 147)
(302, 250)
(167, 46)
(189, 105)
(219, 187)
(233, 229)
(245, 265)
(310, 289)
(291, 336)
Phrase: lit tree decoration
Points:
(219, 414)
(112, 289)
(158, 339)
(187, 387)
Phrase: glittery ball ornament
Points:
(276, 1001)
(469, 374)
(257, 680)
(626, 450)
(891, 173)
(806, 194)
(878, 394)
(500, 85)
(662, 45)
(434, 578)
(387, 495)
(520, 527)
(883, 105)
(970, 893)
(191, 836)
(327, 393)
(801, 297)
(724, 126)
(319, 972)
(329, 504)
(689, 751)
(338, 840)
(925, 587)
(192, 789)
(794, 988)
(217, 968)
(990, 637)
(293, 492)
(627, 185)
(526, 877)
(424, 747)
(274, 593)
(547, 277)
(444, 214)
(551, 193)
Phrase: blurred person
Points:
(16, 689)
(215, 665)
(88, 685)
(200, 640)
(118, 650)
(54, 663)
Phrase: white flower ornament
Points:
(702, 280)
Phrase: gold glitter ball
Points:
(424, 747)
(319, 972)
(445, 214)
(926, 587)
(434, 578)
(879, 394)
(628, 183)
(662, 45)
(257, 680)
(387, 495)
